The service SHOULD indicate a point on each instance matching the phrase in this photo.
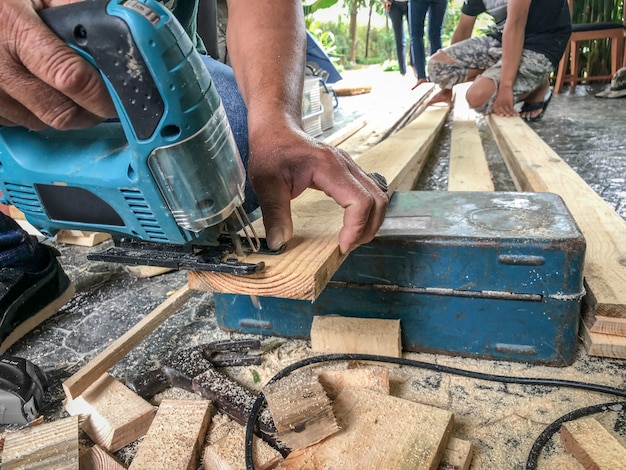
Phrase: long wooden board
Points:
(87, 375)
(313, 255)
(534, 166)
(468, 169)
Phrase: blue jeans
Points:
(397, 12)
(237, 113)
(418, 9)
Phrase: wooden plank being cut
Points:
(592, 445)
(468, 169)
(386, 119)
(49, 446)
(175, 437)
(313, 255)
(116, 416)
(457, 456)
(534, 166)
(87, 375)
(379, 431)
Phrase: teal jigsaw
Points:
(168, 172)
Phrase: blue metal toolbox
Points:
(495, 275)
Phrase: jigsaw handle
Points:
(108, 42)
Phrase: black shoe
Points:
(29, 298)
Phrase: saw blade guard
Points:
(203, 179)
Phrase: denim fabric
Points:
(224, 80)
(397, 12)
(436, 10)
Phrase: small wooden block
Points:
(457, 456)
(116, 415)
(598, 344)
(372, 378)
(592, 445)
(175, 437)
(77, 237)
(96, 458)
(16, 214)
(225, 448)
(52, 445)
(301, 410)
(379, 431)
(336, 334)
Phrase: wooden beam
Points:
(468, 169)
(592, 445)
(534, 166)
(115, 415)
(313, 256)
(78, 237)
(175, 437)
(93, 370)
(49, 446)
(387, 118)
(379, 431)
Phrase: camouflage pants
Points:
(485, 53)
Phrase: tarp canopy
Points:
(316, 55)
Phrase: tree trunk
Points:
(354, 9)
(369, 28)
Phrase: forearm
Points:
(464, 28)
(513, 41)
(266, 44)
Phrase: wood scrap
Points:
(115, 415)
(534, 166)
(312, 256)
(81, 238)
(96, 458)
(301, 410)
(457, 456)
(345, 89)
(225, 449)
(372, 378)
(602, 345)
(175, 437)
(331, 334)
(52, 445)
(378, 431)
(468, 169)
(592, 445)
(84, 377)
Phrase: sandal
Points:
(542, 105)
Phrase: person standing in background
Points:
(397, 11)
(436, 10)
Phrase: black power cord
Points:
(536, 449)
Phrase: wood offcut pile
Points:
(344, 417)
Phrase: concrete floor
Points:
(501, 420)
